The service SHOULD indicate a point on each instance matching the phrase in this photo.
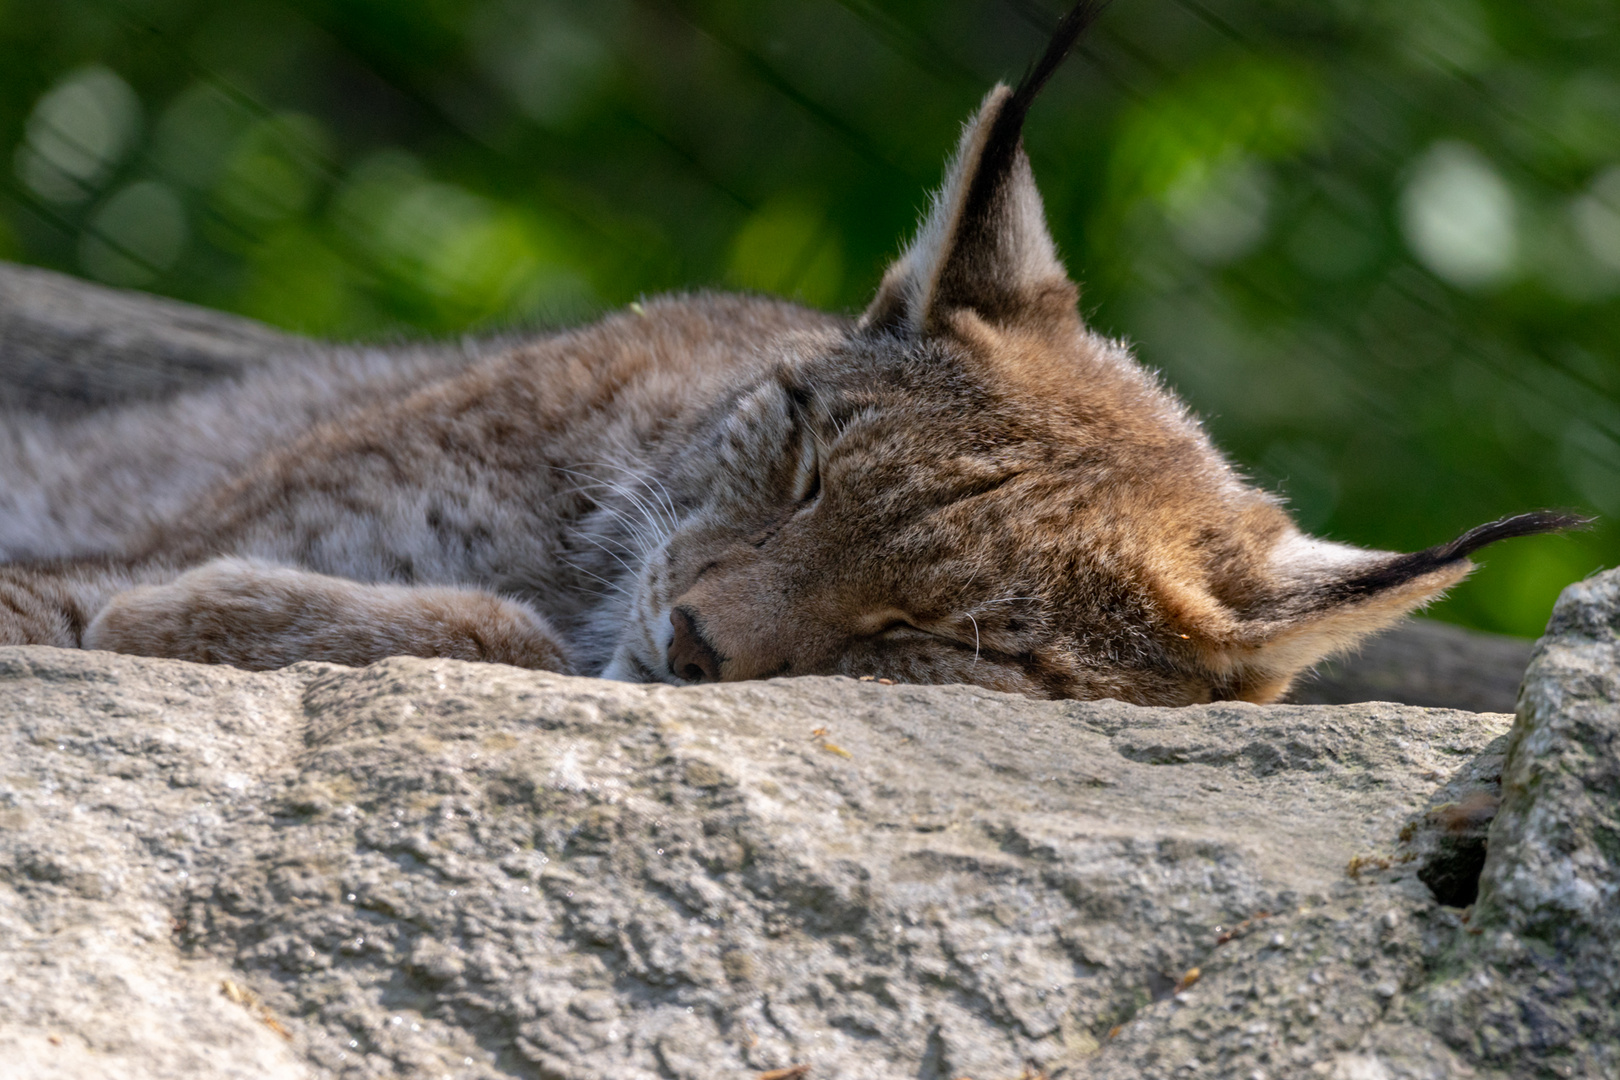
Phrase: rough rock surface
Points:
(428, 868)
(1539, 986)
(1525, 982)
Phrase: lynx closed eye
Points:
(965, 484)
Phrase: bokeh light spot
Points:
(194, 137)
(787, 248)
(1597, 218)
(1218, 211)
(78, 131)
(135, 235)
(547, 64)
(273, 173)
(1459, 217)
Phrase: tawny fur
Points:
(964, 485)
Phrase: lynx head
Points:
(968, 485)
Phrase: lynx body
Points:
(963, 485)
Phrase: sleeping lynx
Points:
(963, 485)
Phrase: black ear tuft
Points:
(1068, 32)
(984, 245)
(1532, 524)
(1001, 146)
(1404, 568)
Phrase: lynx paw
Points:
(259, 616)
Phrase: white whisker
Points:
(612, 585)
(650, 531)
(653, 514)
(635, 530)
(663, 503)
(594, 542)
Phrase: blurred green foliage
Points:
(1375, 243)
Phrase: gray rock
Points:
(1421, 662)
(104, 805)
(433, 868)
(1537, 991)
(1525, 983)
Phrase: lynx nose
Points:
(691, 657)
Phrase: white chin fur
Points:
(621, 669)
(626, 666)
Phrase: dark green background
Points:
(1375, 244)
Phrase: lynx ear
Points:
(984, 244)
(1329, 596)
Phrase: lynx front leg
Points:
(51, 603)
(259, 616)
